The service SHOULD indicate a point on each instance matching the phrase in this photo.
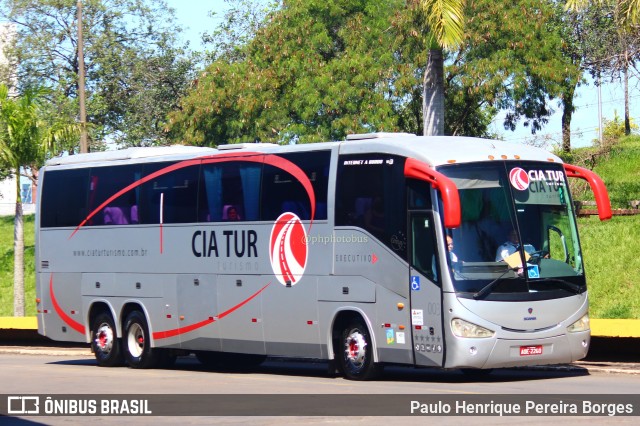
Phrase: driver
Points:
(511, 246)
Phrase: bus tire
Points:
(105, 344)
(136, 343)
(356, 353)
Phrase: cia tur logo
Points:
(519, 179)
(288, 250)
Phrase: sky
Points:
(194, 15)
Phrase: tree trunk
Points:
(567, 113)
(627, 120)
(433, 94)
(18, 254)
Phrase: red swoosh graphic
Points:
(186, 329)
(66, 318)
(253, 157)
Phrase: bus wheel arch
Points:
(354, 347)
(105, 339)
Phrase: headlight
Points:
(462, 328)
(581, 325)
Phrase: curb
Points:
(615, 328)
(19, 323)
(50, 351)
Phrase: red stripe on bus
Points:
(186, 329)
(253, 157)
(66, 318)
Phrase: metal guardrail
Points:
(588, 208)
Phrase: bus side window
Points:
(370, 193)
(229, 192)
(283, 192)
(64, 202)
(172, 195)
(107, 182)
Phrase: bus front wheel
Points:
(356, 357)
(104, 341)
(137, 343)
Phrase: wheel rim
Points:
(104, 338)
(355, 349)
(135, 340)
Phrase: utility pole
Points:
(599, 110)
(84, 146)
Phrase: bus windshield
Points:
(518, 238)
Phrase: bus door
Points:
(425, 290)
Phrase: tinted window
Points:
(107, 182)
(172, 196)
(418, 194)
(64, 197)
(230, 192)
(283, 192)
(371, 194)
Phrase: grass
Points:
(621, 172)
(6, 266)
(619, 168)
(612, 248)
(612, 260)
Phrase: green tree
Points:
(614, 41)
(510, 60)
(135, 69)
(25, 140)
(629, 10)
(237, 28)
(319, 70)
(614, 129)
(316, 70)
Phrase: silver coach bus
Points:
(443, 252)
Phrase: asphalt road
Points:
(72, 371)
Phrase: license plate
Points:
(530, 350)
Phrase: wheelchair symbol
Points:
(415, 283)
(533, 271)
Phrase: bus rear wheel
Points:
(356, 357)
(136, 343)
(104, 341)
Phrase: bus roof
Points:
(177, 151)
(433, 150)
(440, 150)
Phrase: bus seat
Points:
(134, 214)
(115, 216)
(225, 212)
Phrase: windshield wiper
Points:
(487, 288)
(567, 285)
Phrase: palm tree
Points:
(18, 133)
(445, 20)
(25, 141)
